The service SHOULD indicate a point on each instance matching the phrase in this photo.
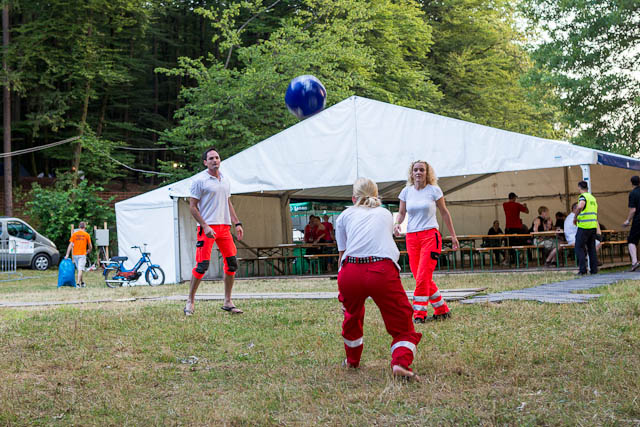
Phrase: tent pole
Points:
(285, 215)
(567, 201)
(586, 175)
(176, 240)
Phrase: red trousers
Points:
(423, 248)
(379, 280)
(204, 245)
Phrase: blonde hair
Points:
(430, 178)
(542, 209)
(366, 193)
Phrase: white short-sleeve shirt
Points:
(213, 195)
(570, 229)
(421, 207)
(363, 232)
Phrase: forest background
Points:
(145, 85)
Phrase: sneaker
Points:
(83, 285)
(419, 319)
(443, 316)
(635, 266)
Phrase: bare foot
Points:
(404, 373)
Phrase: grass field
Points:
(144, 363)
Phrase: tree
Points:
(588, 54)
(6, 104)
(478, 62)
(55, 209)
(375, 49)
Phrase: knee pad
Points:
(232, 263)
(202, 267)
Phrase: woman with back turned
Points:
(368, 257)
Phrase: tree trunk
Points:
(6, 100)
(78, 150)
(75, 166)
(103, 112)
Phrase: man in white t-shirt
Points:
(210, 205)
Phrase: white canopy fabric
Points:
(320, 158)
(363, 137)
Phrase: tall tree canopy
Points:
(589, 56)
(433, 56)
(147, 82)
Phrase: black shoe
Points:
(443, 316)
(419, 320)
(635, 266)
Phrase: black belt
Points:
(366, 260)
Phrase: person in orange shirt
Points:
(80, 242)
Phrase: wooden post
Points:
(567, 201)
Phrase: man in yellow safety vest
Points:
(587, 220)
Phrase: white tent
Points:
(320, 157)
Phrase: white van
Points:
(32, 249)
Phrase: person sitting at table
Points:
(328, 237)
(313, 232)
(560, 217)
(494, 243)
(538, 222)
(547, 244)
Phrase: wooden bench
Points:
(314, 261)
(268, 261)
(611, 245)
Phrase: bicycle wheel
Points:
(108, 275)
(154, 276)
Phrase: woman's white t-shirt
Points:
(363, 232)
(421, 207)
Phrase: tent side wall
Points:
(262, 219)
(152, 226)
(475, 207)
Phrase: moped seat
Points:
(119, 258)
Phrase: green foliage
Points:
(57, 208)
(589, 57)
(432, 56)
(478, 61)
(374, 49)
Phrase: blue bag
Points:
(66, 273)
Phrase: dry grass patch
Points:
(496, 364)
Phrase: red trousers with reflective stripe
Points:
(380, 281)
(204, 245)
(423, 248)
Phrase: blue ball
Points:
(305, 96)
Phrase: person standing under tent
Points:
(368, 256)
(513, 223)
(419, 200)
(210, 205)
(587, 221)
(80, 242)
(634, 215)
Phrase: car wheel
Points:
(41, 262)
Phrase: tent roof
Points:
(363, 137)
(321, 157)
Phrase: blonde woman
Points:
(368, 257)
(419, 200)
